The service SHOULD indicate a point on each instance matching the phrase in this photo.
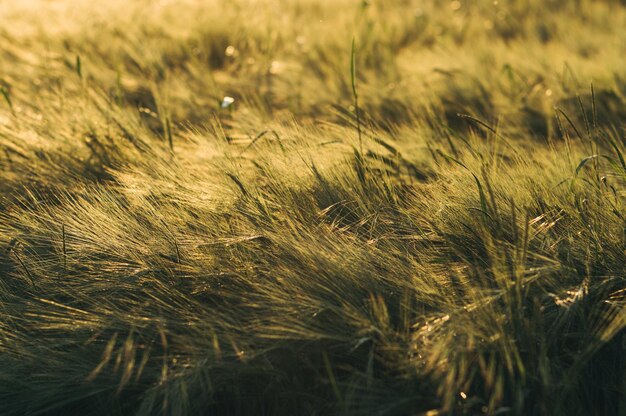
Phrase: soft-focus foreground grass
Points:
(162, 255)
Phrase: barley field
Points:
(313, 207)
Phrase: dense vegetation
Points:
(393, 207)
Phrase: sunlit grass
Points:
(312, 207)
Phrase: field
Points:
(312, 207)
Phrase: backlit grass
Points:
(312, 207)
